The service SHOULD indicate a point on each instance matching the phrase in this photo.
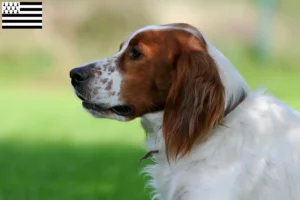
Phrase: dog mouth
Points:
(122, 110)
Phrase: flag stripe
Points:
(22, 18)
(31, 12)
(21, 15)
(30, 3)
(21, 27)
(31, 9)
(21, 21)
(21, 24)
(31, 6)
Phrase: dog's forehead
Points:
(187, 29)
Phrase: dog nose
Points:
(79, 75)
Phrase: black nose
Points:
(79, 75)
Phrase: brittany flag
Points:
(22, 15)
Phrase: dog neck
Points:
(152, 124)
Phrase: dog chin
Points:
(106, 115)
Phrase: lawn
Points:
(51, 149)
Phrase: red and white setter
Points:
(210, 137)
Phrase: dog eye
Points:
(135, 54)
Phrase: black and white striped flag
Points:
(17, 15)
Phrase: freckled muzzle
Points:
(93, 85)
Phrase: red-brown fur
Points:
(179, 77)
(195, 103)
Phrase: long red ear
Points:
(195, 103)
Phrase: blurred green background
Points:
(51, 149)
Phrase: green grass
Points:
(51, 149)
(63, 171)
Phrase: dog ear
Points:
(195, 103)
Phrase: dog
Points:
(209, 136)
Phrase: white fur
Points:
(233, 82)
(104, 88)
(255, 155)
(112, 98)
